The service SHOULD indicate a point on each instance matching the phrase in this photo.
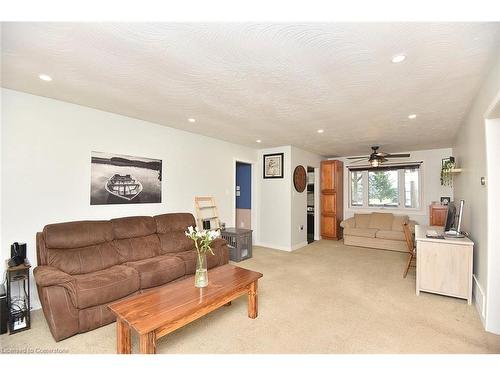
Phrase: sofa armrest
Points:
(48, 276)
(412, 224)
(218, 242)
(219, 245)
(348, 223)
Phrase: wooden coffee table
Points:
(158, 312)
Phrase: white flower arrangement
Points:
(202, 239)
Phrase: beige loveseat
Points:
(377, 230)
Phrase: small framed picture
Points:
(445, 201)
(273, 165)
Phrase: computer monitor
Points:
(450, 217)
(453, 228)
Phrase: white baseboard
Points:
(479, 299)
(299, 245)
(273, 246)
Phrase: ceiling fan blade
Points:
(358, 161)
(359, 157)
(397, 155)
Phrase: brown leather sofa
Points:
(84, 265)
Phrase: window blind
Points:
(385, 167)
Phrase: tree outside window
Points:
(383, 188)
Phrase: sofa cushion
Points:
(133, 226)
(77, 234)
(170, 229)
(132, 249)
(382, 221)
(158, 270)
(362, 220)
(83, 259)
(390, 235)
(171, 222)
(398, 221)
(104, 286)
(189, 258)
(359, 232)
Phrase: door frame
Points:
(253, 216)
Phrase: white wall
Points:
(431, 184)
(46, 149)
(299, 200)
(282, 209)
(470, 148)
(493, 163)
(275, 203)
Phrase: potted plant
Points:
(447, 165)
(202, 241)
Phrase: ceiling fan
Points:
(378, 157)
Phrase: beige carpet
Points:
(324, 298)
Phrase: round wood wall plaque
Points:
(300, 178)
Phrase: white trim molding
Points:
(479, 298)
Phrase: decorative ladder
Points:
(206, 212)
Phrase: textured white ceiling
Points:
(275, 82)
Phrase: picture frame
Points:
(124, 179)
(273, 165)
(445, 200)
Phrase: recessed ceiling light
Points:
(258, 141)
(320, 131)
(398, 58)
(412, 116)
(45, 77)
(191, 119)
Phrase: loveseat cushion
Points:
(171, 228)
(104, 286)
(382, 221)
(77, 234)
(360, 232)
(158, 270)
(390, 235)
(398, 221)
(362, 221)
(83, 259)
(189, 259)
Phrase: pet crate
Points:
(239, 242)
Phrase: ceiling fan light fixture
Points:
(374, 162)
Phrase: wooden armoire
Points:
(332, 199)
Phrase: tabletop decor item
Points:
(202, 241)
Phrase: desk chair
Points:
(412, 252)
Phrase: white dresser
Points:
(444, 266)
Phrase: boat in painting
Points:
(125, 187)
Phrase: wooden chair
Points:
(412, 252)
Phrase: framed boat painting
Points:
(123, 179)
(273, 165)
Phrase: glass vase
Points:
(201, 275)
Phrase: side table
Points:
(18, 298)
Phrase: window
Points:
(391, 188)
(383, 189)
(356, 188)
(411, 188)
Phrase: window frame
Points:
(401, 192)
